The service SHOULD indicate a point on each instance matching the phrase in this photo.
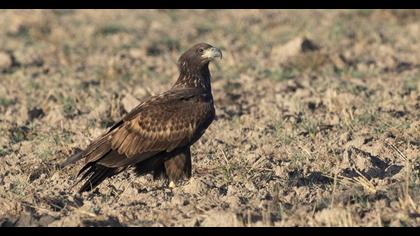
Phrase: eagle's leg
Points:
(178, 167)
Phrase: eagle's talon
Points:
(172, 185)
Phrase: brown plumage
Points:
(157, 134)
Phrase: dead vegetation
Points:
(318, 116)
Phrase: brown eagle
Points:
(155, 137)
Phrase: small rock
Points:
(28, 58)
(293, 48)
(360, 162)
(386, 218)
(129, 102)
(194, 186)
(136, 53)
(5, 61)
(278, 171)
(55, 176)
(232, 190)
(233, 201)
(250, 186)
(394, 205)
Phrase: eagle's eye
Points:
(200, 50)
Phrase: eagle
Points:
(156, 136)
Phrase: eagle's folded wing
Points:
(161, 123)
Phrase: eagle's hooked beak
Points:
(212, 53)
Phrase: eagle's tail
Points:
(95, 173)
(94, 151)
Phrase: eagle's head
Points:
(194, 66)
(199, 56)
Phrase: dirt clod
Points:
(5, 61)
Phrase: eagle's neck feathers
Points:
(194, 76)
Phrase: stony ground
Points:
(318, 116)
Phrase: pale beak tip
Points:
(218, 53)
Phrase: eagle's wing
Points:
(159, 124)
